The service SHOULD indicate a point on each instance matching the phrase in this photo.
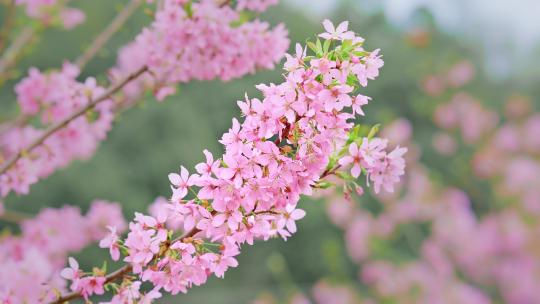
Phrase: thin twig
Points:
(121, 272)
(329, 172)
(160, 5)
(38, 141)
(14, 217)
(126, 269)
(17, 122)
(106, 35)
(10, 55)
(8, 24)
(223, 3)
(90, 53)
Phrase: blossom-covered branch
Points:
(105, 96)
(31, 262)
(184, 34)
(289, 142)
(95, 46)
(119, 274)
(46, 13)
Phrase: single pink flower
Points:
(111, 242)
(180, 183)
(339, 33)
(358, 102)
(291, 216)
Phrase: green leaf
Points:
(374, 130)
(331, 163)
(352, 80)
(319, 48)
(354, 134)
(312, 46)
(104, 267)
(345, 176)
(326, 46)
(244, 16)
(324, 184)
(346, 45)
(188, 8)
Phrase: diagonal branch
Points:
(126, 269)
(14, 217)
(13, 51)
(106, 35)
(9, 17)
(84, 58)
(58, 126)
(121, 272)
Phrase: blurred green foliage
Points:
(153, 139)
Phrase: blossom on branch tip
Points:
(336, 33)
(181, 183)
(286, 145)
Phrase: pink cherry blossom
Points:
(339, 33)
(111, 242)
(387, 170)
(45, 10)
(72, 272)
(291, 216)
(181, 183)
(358, 102)
(90, 285)
(355, 158)
(232, 51)
(279, 152)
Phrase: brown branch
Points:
(329, 172)
(124, 271)
(107, 34)
(10, 55)
(17, 122)
(121, 272)
(14, 217)
(223, 3)
(38, 141)
(8, 24)
(90, 53)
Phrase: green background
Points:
(154, 139)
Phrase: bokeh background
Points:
(417, 38)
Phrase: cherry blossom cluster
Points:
(509, 156)
(287, 144)
(52, 12)
(31, 262)
(383, 169)
(49, 98)
(463, 254)
(200, 41)
(457, 76)
(211, 46)
(255, 5)
(506, 155)
(467, 115)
